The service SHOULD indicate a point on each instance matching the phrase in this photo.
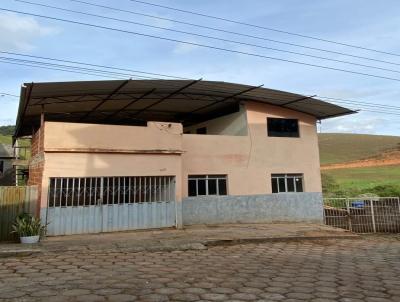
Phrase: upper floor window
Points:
(1, 167)
(287, 183)
(202, 130)
(283, 127)
(207, 185)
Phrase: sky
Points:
(366, 23)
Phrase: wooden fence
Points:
(14, 201)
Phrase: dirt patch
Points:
(386, 159)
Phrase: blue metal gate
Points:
(107, 204)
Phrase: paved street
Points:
(329, 270)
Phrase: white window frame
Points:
(208, 177)
(277, 176)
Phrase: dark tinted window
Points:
(212, 187)
(299, 184)
(275, 185)
(1, 167)
(281, 127)
(202, 130)
(222, 186)
(282, 183)
(282, 187)
(207, 185)
(290, 184)
(192, 188)
(201, 187)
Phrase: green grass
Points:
(5, 139)
(383, 181)
(367, 177)
(339, 147)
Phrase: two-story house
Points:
(135, 154)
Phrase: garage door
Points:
(107, 204)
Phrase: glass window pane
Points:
(299, 184)
(212, 187)
(202, 130)
(281, 184)
(222, 187)
(192, 188)
(280, 127)
(290, 184)
(201, 183)
(274, 182)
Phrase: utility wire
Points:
(123, 75)
(2, 94)
(93, 65)
(364, 106)
(104, 73)
(201, 45)
(209, 37)
(356, 102)
(58, 69)
(230, 32)
(266, 28)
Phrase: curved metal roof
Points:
(133, 102)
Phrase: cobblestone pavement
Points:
(329, 270)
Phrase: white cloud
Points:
(182, 48)
(20, 32)
(354, 125)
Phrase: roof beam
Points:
(224, 99)
(337, 114)
(168, 96)
(108, 97)
(130, 103)
(298, 100)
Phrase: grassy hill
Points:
(341, 148)
(6, 133)
(5, 139)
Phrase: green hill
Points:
(343, 148)
(6, 133)
(340, 147)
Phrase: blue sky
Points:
(366, 23)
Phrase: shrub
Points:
(26, 225)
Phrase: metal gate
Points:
(363, 215)
(107, 204)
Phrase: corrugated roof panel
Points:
(92, 100)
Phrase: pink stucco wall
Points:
(250, 160)
(82, 150)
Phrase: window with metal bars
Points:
(88, 191)
(287, 183)
(207, 185)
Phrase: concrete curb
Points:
(168, 246)
(222, 242)
(19, 253)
